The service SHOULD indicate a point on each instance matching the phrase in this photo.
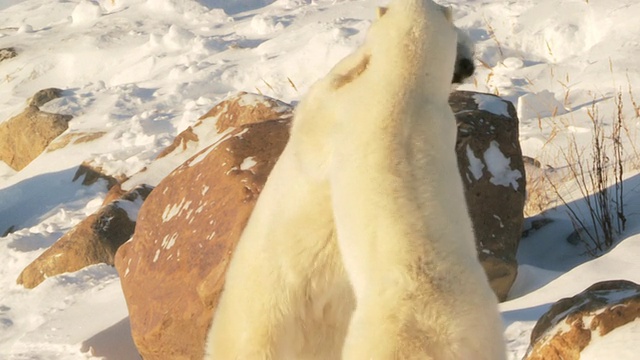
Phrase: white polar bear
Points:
(360, 245)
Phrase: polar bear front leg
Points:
(249, 318)
(285, 295)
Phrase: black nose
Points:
(466, 67)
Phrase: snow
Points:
(475, 164)
(131, 207)
(174, 210)
(491, 104)
(617, 342)
(499, 167)
(169, 241)
(141, 71)
(539, 105)
(86, 12)
(248, 163)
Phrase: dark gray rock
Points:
(493, 173)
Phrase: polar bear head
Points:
(465, 52)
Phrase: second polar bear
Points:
(360, 245)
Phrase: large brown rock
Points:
(568, 327)
(188, 229)
(490, 162)
(93, 241)
(25, 136)
(191, 223)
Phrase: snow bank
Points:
(86, 12)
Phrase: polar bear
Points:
(360, 245)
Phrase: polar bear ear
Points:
(380, 11)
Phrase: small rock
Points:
(568, 327)
(93, 241)
(90, 174)
(25, 136)
(44, 96)
(7, 53)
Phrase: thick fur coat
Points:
(360, 245)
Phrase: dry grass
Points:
(274, 93)
(597, 173)
(492, 34)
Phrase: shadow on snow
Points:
(32, 200)
(546, 254)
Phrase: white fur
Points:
(360, 245)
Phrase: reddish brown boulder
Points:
(93, 241)
(189, 226)
(188, 229)
(492, 170)
(25, 136)
(568, 327)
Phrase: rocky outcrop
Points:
(44, 96)
(191, 223)
(7, 53)
(27, 135)
(93, 241)
(74, 138)
(187, 231)
(490, 162)
(240, 109)
(90, 174)
(571, 323)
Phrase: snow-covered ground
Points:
(143, 70)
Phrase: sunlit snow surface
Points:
(143, 70)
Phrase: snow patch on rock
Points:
(491, 104)
(475, 165)
(499, 167)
